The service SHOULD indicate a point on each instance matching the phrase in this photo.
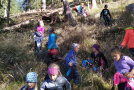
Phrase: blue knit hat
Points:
(31, 77)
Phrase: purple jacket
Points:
(124, 65)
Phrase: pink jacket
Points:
(40, 29)
(129, 38)
(118, 78)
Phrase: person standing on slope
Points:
(129, 39)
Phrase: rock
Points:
(130, 8)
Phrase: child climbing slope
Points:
(106, 15)
(124, 66)
(129, 39)
(71, 64)
(55, 81)
(98, 58)
(31, 80)
(52, 47)
(39, 35)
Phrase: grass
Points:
(17, 55)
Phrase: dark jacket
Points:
(105, 12)
(97, 59)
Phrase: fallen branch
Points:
(18, 25)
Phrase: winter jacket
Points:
(105, 12)
(124, 65)
(97, 59)
(56, 85)
(71, 58)
(129, 38)
(52, 41)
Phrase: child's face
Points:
(31, 85)
(94, 50)
(77, 49)
(53, 77)
(115, 56)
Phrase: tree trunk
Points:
(88, 5)
(79, 1)
(101, 2)
(52, 2)
(94, 4)
(67, 11)
(8, 12)
(5, 11)
(43, 5)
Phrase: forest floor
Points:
(17, 56)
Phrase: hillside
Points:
(17, 56)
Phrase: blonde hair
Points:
(54, 65)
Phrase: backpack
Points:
(38, 34)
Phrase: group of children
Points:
(105, 13)
(123, 78)
(39, 36)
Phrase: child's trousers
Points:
(132, 51)
(74, 74)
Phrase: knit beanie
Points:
(31, 77)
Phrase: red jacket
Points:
(129, 38)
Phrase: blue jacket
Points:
(52, 41)
(71, 58)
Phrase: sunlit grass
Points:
(17, 55)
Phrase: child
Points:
(39, 35)
(106, 13)
(52, 47)
(71, 64)
(98, 58)
(55, 81)
(124, 65)
(40, 28)
(81, 11)
(129, 39)
(31, 79)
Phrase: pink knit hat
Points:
(53, 71)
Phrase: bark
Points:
(94, 4)
(5, 12)
(43, 5)
(52, 2)
(101, 2)
(8, 12)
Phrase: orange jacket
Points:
(129, 38)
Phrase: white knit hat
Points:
(74, 45)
